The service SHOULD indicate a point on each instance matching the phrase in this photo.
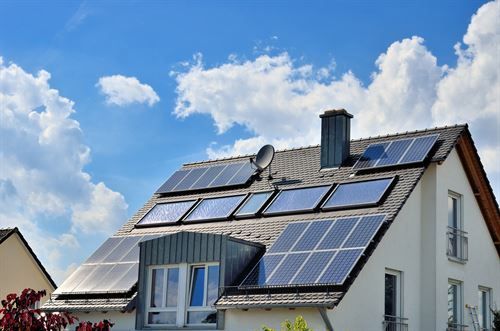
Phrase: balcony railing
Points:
(456, 327)
(395, 323)
(458, 244)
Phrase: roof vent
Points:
(335, 137)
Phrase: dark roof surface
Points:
(6, 233)
(300, 167)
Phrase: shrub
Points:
(299, 324)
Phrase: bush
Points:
(300, 324)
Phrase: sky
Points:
(100, 101)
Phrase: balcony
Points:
(394, 323)
(456, 327)
(457, 245)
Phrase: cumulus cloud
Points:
(122, 91)
(42, 182)
(278, 99)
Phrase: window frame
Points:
(399, 291)
(184, 289)
(458, 197)
(456, 237)
(487, 291)
(266, 213)
(458, 304)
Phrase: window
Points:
(297, 200)
(182, 295)
(483, 308)
(219, 208)
(393, 302)
(455, 306)
(457, 248)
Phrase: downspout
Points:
(324, 316)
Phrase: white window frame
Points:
(481, 290)
(399, 291)
(458, 197)
(460, 240)
(183, 295)
(205, 307)
(460, 300)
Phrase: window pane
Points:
(167, 212)
(213, 284)
(452, 212)
(156, 288)
(172, 287)
(163, 317)
(390, 294)
(358, 193)
(197, 286)
(482, 310)
(297, 199)
(201, 317)
(452, 304)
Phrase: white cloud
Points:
(121, 91)
(42, 182)
(278, 100)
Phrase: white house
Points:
(398, 232)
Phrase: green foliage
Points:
(299, 324)
(496, 319)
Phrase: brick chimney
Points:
(335, 137)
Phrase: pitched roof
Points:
(7, 232)
(296, 168)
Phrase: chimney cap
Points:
(335, 112)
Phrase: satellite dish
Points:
(264, 157)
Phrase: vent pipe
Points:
(335, 137)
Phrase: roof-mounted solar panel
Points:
(222, 175)
(297, 200)
(322, 252)
(396, 152)
(253, 204)
(210, 209)
(166, 213)
(358, 194)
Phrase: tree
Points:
(18, 314)
(300, 324)
(496, 319)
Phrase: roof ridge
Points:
(318, 145)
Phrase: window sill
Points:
(457, 260)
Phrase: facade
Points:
(20, 267)
(397, 232)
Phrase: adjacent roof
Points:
(7, 232)
(295, 168)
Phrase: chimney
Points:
(335, 137)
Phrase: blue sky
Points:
(184, 56)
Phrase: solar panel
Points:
(165, 213)
(108, 280)
(396, 152)
(127, 280)
(133, 255)
(215, 208)
(222, 175)
(122, 249)
(253, 204)
(104, 250)
(315, 252)
(361, 193)
(75, 278)
(294, 200)
(93, 278)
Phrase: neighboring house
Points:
(397, 232)
(20, 268)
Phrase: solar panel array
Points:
(215, 208)
(360, 193)
(322, 252)
(232, 174)
(299, 199)
(167, 213)
(113, 267)
(396, 152)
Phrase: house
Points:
(20, 268)
(397, 232)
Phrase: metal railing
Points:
(457, 244)
(456, 327)
(395, 323)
